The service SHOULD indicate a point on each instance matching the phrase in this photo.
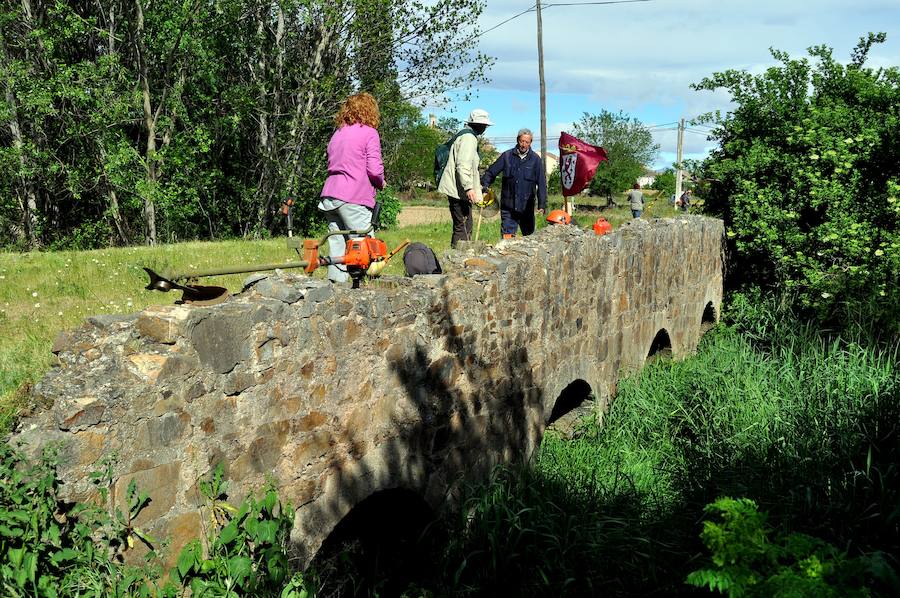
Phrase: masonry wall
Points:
(336, 393)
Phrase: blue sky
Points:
(641, 58)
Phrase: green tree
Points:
(412, 164)
(628, 144)
(807, 178)
(665, 183)
(125, 121)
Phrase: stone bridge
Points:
(337, 395)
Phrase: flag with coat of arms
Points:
(578, 162)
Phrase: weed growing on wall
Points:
(246, 553)
(48, 548)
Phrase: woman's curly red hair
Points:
(360, 108)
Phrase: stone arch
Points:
(661, 347)
(380, 538)
(709, 318)
(575, 400)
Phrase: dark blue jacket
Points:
(521, 178)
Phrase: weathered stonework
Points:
(337, 393)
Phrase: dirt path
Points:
(412, 215)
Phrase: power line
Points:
(504, 22)
(534, 6)
(594, 3)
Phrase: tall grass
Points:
(805, 425)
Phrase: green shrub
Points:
(665, 183)
(50, 549)
(390, 208)
(247, 554)
(47, 549)
(807, 179)
(749, 559)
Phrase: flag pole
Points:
(543, 88)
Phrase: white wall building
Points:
(552, 162)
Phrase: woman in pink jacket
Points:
(355, 171)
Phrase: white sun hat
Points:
(479, 117)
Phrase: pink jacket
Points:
(355, 168)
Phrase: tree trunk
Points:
(149, 130)
(269, 102)
(114, 210)
(29, 201)
(305, 104)
(151, 116)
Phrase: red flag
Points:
(578, 162)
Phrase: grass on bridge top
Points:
(42, 293)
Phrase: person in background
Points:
(355, 171)
(524, 185)
(686, 200)
(636, 200)
(459, 181)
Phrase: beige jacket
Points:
(461, 173)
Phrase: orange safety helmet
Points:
(602, 226)
(559, 217)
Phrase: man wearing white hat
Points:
(460, 180)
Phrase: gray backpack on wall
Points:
(419, 258)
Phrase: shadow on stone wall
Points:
(453, 431)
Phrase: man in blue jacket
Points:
(524, 181)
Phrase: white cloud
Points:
(642, 58)
(652, 52)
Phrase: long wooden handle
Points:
(396, 250)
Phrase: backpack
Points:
(420, 259)
(442, 154)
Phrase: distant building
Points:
(648, 178)
(552, 162)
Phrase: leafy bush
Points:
(48, 548)
(807, 179)
(749, 561)
(554, 182)
(247, 546)
(665, 183)
(390, 208)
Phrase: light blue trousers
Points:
(342, 215)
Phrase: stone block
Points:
(162, 324)
(160, 482)
(220, 339)
(274, 288)
(79, 413)
(147, 366)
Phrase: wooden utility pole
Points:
(679, 172)
(540, 41)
